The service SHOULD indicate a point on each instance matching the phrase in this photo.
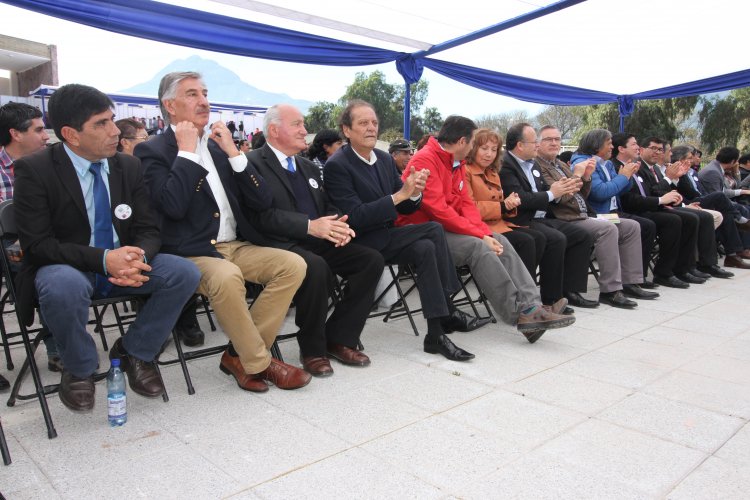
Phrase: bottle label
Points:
(116, 405)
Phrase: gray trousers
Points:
(504, 279)
(617, 248)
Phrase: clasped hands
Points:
(332, 228)
(414, 184)
(125, 266)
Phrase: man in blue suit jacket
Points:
(201, 186)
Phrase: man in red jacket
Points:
(496, 266)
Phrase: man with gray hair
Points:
(303, 220)
(202, 187)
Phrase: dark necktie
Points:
(289, 164)
(103, 233)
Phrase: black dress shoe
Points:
(435, 344)
(699, 274)
(576, 299)
(637, 292)
(716, 271)
(191, 336)
(459, 321)
(617, 299)
(77, 393)
(671, 282)
(689, 278)
(4, 384)
(143, 376)
(650, 285)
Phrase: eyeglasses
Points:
(552, 139)
(656, 149)
(137, 138)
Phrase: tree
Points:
(322, 115)
(567, 119)
(501, 122)
(388, 101)
(725, 120)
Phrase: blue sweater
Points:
(602, 190)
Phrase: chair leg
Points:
(276, 352)
(99, 328)
(30, 364)
(183, 363)
(211, 323)
(164, 396)
(402, 297)
(4, 446)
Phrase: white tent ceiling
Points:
(616, 46)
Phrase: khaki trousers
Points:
(252, 331)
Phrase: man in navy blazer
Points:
(302, 220)
(201, 186)
(87, 229)
(365, 184)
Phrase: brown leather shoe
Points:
(542, 319)
(317, 366)
(231, 366)
(735, 261)
(284, 376)
(77, 393)
(347, 355)
(745, 254)
(558, 307)
(143, 376)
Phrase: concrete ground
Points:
(651, 403)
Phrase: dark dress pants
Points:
(361, 266)
(423, 247)
(677, 234)
(549, 257)
(648, 237)
(578, 244)
(706, 237)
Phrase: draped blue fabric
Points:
(204, 30)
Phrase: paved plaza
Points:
(651, 403)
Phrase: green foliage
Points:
(388, 101)
(322, 115)
(726, 121)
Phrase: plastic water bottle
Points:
(117, 406)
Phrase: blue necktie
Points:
(103, 233)
(289, 164)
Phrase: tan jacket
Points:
(485, 189)
(566, 208)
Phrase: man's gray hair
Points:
(593, 140)
(681, 152)
(168, 88)
(272, 116)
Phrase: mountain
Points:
(223, 85)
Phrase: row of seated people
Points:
(198, 215)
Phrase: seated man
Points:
(363, 181)
(617, 247)
(76, 246)
(302, 220)
(202, 187)
(496, 266)
(21, 133)
(664, 183)
(728, 231)
(519, 174)
(609, 181)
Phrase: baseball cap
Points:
(400, 145)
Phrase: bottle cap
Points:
(115, 361)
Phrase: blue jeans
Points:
(65, 295)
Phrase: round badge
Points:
(536, 173)
(123, 211)
(313, 183)
(640, 178)
(461, 186)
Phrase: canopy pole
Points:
(407, 111)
